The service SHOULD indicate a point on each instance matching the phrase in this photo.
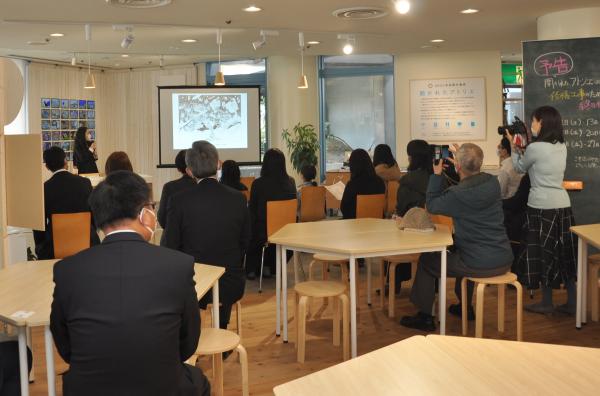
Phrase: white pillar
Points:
(569, 24)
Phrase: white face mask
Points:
(219, 174)
(152, 231)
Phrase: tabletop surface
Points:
(26, 290)
(358, 236)
(436, 365)
(590, 232)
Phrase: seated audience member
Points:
(211, 223)
(184, 183)
(515, 210)
(481, 246)
(64, 192)
(231, 176)
(274, 184)
(385, 164)
(125, 313)
(508, 177)
(119, 160)
(10, 376)
(309, 174)
(363, 181)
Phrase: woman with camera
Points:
(550, 247)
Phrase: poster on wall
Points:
(60, 120)
(448, 110)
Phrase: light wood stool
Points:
(593, 268)
(394, 261)
(238, 316)
(214, 342)
(322, 289)
(501, 281)
(326, 260)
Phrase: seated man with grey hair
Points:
(211, 222)
(481, 247)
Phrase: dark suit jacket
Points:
(64, 192)
(266, 189)
(171, 188)
(359, 186)
(125, 316)
(411, 191)
(211, 223)
(84, 161)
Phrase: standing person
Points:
(116, 161)
(210, 222)
(274, 184)
(64, 192)
(125, 313)
(231, 175)
(508, 178)
(550, 258)
(385, 164)
(84, 152)
(363, 181)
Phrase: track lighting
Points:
(350, 41)
(263, 38)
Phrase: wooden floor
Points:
(272, 362)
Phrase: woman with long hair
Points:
(84, 152)
(385, 164)
(363, 181)
(231, 175)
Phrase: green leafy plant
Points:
(302, 144)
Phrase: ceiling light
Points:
(259, 43)
(252, 8)
(263, 38)
(302, 82)
(90, 81)
(402, 6)
(348, 49)
(127, 41)
(124, 56)
(74, 60)
(350, 41)
(56, 35)
(219, 77)
(314, 42)
(426, 46)
(437, 40)
(469, 11)
(189, 40)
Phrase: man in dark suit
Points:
(211, 222)
(125, 313)
(184, 183)
(64, 192)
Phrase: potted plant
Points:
(302, 144)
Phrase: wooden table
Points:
(26, 291)
(439, 365)
(588, 234)
(358, 238)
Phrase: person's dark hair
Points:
(309, 172)
(54, 157)
(383, 155)
(505, 143)
(361, 164)
(421, 156)
(202, 159)
(230, 173)
(117, 161)
(180, 161)
(552, 126)
(80, 143)
(274, 165)
(121, 196)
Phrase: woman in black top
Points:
(363, 181)
(84, 152)
(230, 175)
(274, 184)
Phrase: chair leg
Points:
(295, 261)
(479, 308)
(218, 374)
(310, 268)
(296, 317)
(192, 360)
(336, 322)
(238, 312)
(344, 270)
(392, 290)
(369, 280)
(244, 363)
(324, 271)
(345, 325)
(519, 288)
(302, 329)
(381, 283)
(463, 293)
(262, 264)
(593, 286)
(501, 305)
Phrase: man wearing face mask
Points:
(508, 178)
(125, 314)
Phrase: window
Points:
(357, 105)
(245, 72)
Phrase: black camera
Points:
(516, 128)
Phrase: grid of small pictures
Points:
(62, 117)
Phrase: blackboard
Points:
(565, 74)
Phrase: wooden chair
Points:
(393, 262)
(501, 281)
(391, 195)
(279, 214)
(213, 342)
(70, 233)
(247, 195)
(312, 203)
(594, 283)
(370, 206)
(322, 289)
(247, 181)
(444, 220)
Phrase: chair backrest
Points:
(247, 195)
(279, 214)
(70, 233)
(391, 196)
(370, 206)
(312, 203)
(573, 185)
(444, 220)
(247, 181)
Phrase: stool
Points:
(593, 268)
(214, 342)
(507, 279)
(322, 289)
(326, 260)
(238, 317)
(393, 261)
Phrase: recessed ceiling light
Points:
(469, 11)
(426, 46)
(313, 42)
(124, 56)
(252, 8)
(56, 35)
(117, 64)
(437, 40)
(189, 40)
(402, 6)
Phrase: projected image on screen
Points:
(218, 118)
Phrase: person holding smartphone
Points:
(84, 152)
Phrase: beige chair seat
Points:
(320, 289)
(331, 258)
(402, 258)
(507, 278)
